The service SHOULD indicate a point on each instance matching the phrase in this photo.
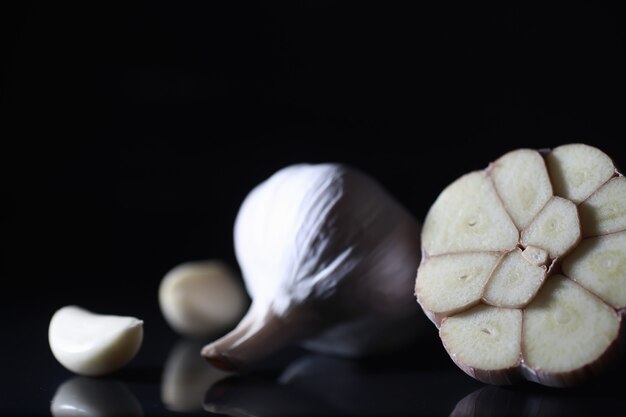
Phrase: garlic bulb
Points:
(329, 259)
(524, 262)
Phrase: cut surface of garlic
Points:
(329, 258)
(93, 344)
(201, 298)
(524, 266)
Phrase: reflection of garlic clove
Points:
(93, 344)
(201, 298)
(323, 385)
(82, 396)
(187, 377)
(329, 258)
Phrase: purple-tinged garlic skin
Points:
(329, 259)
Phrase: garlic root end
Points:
(260, 333)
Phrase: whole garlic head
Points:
(329, 259)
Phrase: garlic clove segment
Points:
(201, 298)
(93, 344)
(329, 259)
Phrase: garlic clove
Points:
(565, 329)
(599, 264)
(93, 344)
(556, 228)
(486, 342)
(329, 259)
(201, 298)
(514, 282)
(463, 276)
(521, 180)
(468, 216)
(605, 211)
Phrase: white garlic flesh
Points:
(329, 258)
(202, 298)
(93, 344)
(524, 266)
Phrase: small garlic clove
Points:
(93, 344)
(201, 298)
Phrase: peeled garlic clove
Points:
(201, 298)
(550, 308)
(329, 258)
(82, 396)
(93, 344)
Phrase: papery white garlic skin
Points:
(202, 298)
(93, 344)
(329, 258)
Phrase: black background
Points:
(132, 132)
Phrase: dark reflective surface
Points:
(321, 385)
(80, 396)
(169, 378)
(598, 400)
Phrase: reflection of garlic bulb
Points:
(329, 259)
(201, 298)
(186, 378)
